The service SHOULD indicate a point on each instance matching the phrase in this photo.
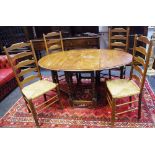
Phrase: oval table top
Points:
(85, 60)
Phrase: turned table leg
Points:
(97, 77)
(68, 77)
(54, 76)
(94, 99)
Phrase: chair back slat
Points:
(52, 34)
(138, 69)
(137, 79)
(118, 37)
(119, 49)
(55, 47)
(20, 45)
(118, 30)
(26, 71)
(137, 60)
(118, 44)
(143, 39)
(52, 43)
(141, 50)
(26, 63)
(29, 79)
(22, 55)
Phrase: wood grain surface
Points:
(85, 60)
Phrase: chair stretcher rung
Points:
(46, 104)
(126, 103)
(50, 90)
(81, 101)
(47, 101)
(126, 111)
(62, 79)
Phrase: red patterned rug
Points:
(69, 117)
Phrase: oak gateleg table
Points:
(84, 60)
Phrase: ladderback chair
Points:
(132, 87)
(53, 42)
(31, 84)
(119, 39)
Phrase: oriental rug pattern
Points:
(69, 117)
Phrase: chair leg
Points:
(27, 106)
(45, 98)
(56, 77)
(94, 97)
(139, 106)
(79, 80)
(109, 74)
(122, 72)
(77, 77)
(113, 113)
(34, 114)
(130, 99)
(69, 88)
(53, 76)
(98, 77)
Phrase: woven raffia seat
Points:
(122, 88)
(38, 88)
